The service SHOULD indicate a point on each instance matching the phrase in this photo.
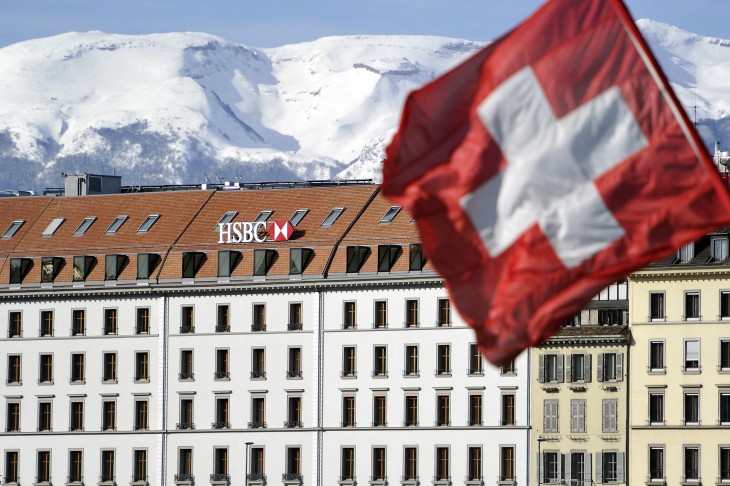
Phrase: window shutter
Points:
(619, 367)
(568, 369)
(541, 368)
(586, 468)
(613, 414)
(599, 467)
(560, 368)
(606, 420)
(599, 378)
(540, 477)
(560, 458)
(568, 458)
(546, 416)
(620, 467)
(581, 426)
(587, 367)
(574, 416)
(556, 416)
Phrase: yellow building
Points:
(680, 367)
(579, 404)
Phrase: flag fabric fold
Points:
(551, 163)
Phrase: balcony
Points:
(185, 426)
(185, 479)
(187, 329)
(293, 424)
(294, 326)
(222, 328)
(186, 375)
(220, 425)
(221, 375)
(258, 327)
(292, 478)
(256, 478)
(220, 478)
(294, 373)
(258, 375)
(256, 425)
(139, 480)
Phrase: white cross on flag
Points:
(550, 164)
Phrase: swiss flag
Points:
(550, 164)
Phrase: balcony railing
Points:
(220, 425)
(187, 329)
(186, 375)
(185, 426)
(294, 373)
(256, 425)
(141, 329)
(348, 374)
(256, 477)
(13, 333)
(348, 424)
(258, 327)
(294, 326)
(220, 478)
(222, 328)
(258, 374)
(75, 479)
(293, 424)
(291, 477)
(106, 480)
(184, 478)
(220, 375)
(138, 480)
(45, 332)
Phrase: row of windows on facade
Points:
(192, 262)
(691, 361)
(555, 467)
(110, 325)
(551, 416)
(555, 368)
(692, 306)
(691, 465)
(442, 417)
(691, 407)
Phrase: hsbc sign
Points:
(247, 232)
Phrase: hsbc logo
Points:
(240, 232)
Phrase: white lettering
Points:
(236, 233)
(226, 231)
(256, 236)
(247, 234)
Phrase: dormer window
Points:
(146, 263)
(85, 225)
(719, 248)
(389, 215)
(19, 268)
(53, 226)
(116, 224)
(387, 255)
(356, 256)
(192, 261)
(227, 218)
(332, 216)
(298, 216)
(299, 258)
(263, 216)
(262, 260)
(417, 259)
(227, 262)
(82, 267)
(686, 253)
(50, 266)
(145, 227)
(13, 228)
(114, 265)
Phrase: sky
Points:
(272, 23)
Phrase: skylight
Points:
(145, 227)
(389, 215)
(116, 224)
(227, 218)
(53, 226)
(332, 217)
(298, 216)
(263, 216)
(13, 228)
(85, 225)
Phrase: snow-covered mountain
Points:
(186, 107)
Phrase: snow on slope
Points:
(180, 107)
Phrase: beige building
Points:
(579, 403)
(680, 367)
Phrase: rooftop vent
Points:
(81, 184)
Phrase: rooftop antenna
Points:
(207, 178)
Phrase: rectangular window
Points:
(507, 463)
(444, 310)
(141, 414)
(227, 262)
(299, 259)
(410, 463)
(725, 355)
(142, 366)
(412, 313)
(82, 267)
(259, 318)
(187, 319)
(349, 319)
(77, 416)
(443, 410)
(508, 368)
(293, 412)
(610, 415)
(220, 466)
(686, 253)
(550, 368)
(75, 466)
(656, 463)
(12, 418)
(146, 264)
(13, 228)
(222, 323)
(46, 328)
(258, 413)
(656, 408)
(474, 471)
(45, 373)
(579, 472)
(691, 408)
(258, 363)
(507, 414)
(416, 259)
(580, 368)
(443, 359)
(257, 471)
(142, 326)
(656, 306)
(184, 464)
(724, 408)
(387, 256)
(109, 371)
(50, 266)
(692, 306)
(293, 464)
(139, 471)
(380, 416)
(725, 305)
(222, 370)
(443, 466)
(78, 322)
(356, 256)
(295, 317)
(411, 412)
(724, 463)
(348, 361)
(577, 415)
(110, 322)
(610, 367)
(552, 469)
(222, 420)
(191, 263)
(294, 363)
(186, 365)
(109, 415)
(719, 249)
(550, 415)
(53, 226)
(14, 369)
(610, 317)
(692, 355)
(107, 466)
(691, 464)
(15, 324)
(347, 464)
(656, 356)
(262, 260)
(475, 409)
(381, 314)
(380, 361)
(113, 266)
(411, 365)
(186, 414)
(78, 370)
(475, 360)
(43, 467)
(45, 416)
(348, 411)
(11, 467)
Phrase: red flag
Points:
(550, 164)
